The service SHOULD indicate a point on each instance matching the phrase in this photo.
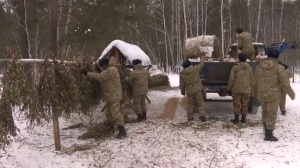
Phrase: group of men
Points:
(270, 84)
(112, 91)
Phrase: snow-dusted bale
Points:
(193, 47)
(159, 80)
(129, 51)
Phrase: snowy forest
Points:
(159, 27)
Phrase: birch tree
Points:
(222, 25)
(258, 20)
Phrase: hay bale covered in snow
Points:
(194, 47)
(159, 80)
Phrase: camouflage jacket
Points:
(110, 82)
(190, 79)
(289, 74)
(245, 43)
(240, 79)
(139, 78)
(270, 79)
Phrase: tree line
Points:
(159, 27)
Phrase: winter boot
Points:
(283, 112)
(269, 136)
(122, 133)
(265, 127)
(236, 119)
(243, 121)
(202, 118)
(140, 118)
(144, 115)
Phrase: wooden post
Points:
(55, 119)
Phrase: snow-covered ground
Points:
(166, 139)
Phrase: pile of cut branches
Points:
(37, 90)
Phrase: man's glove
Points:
(229, 92)
(84, 72)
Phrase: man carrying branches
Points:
(112, 92)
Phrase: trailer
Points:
(215, 75)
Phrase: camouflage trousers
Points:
(139, 102)
(250, 56)
(240, 103)
(195, 99)
(282, 102)
(269, 113)
(113, 113)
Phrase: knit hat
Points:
(239, 30)
(273, 54)
(186, 64)
(103, 62)
(136, 61)
(242, 57)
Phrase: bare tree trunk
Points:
(206, 15)
(222, 25)
(202, 16)
(157, 42)
(136, 25)
(59, 18)
(272, 21)
(165, 34)
(22, 30)
(197, 22)
(67, 27)
(280, 21)
(258, 20)
(230, 23)
(37, 34)
(54, 22)
(27, 31)
(184, 17)
(171, 39)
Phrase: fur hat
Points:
(242, 57)
(103, 62)
(239, 30)
(273, 54)
(186, 64)
(136, 61)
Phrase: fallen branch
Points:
(269, 153)
(73, 126)
(212, 160)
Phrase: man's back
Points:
(140, 80)
(245, 44)
(240, 79)
(110, 82)
(270, 78)
(190, 79)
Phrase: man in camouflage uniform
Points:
(139, 79)
(190, 83)
(245, 44)
(270, 78)
(240, 86)
(112, 92)
(283, 94)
